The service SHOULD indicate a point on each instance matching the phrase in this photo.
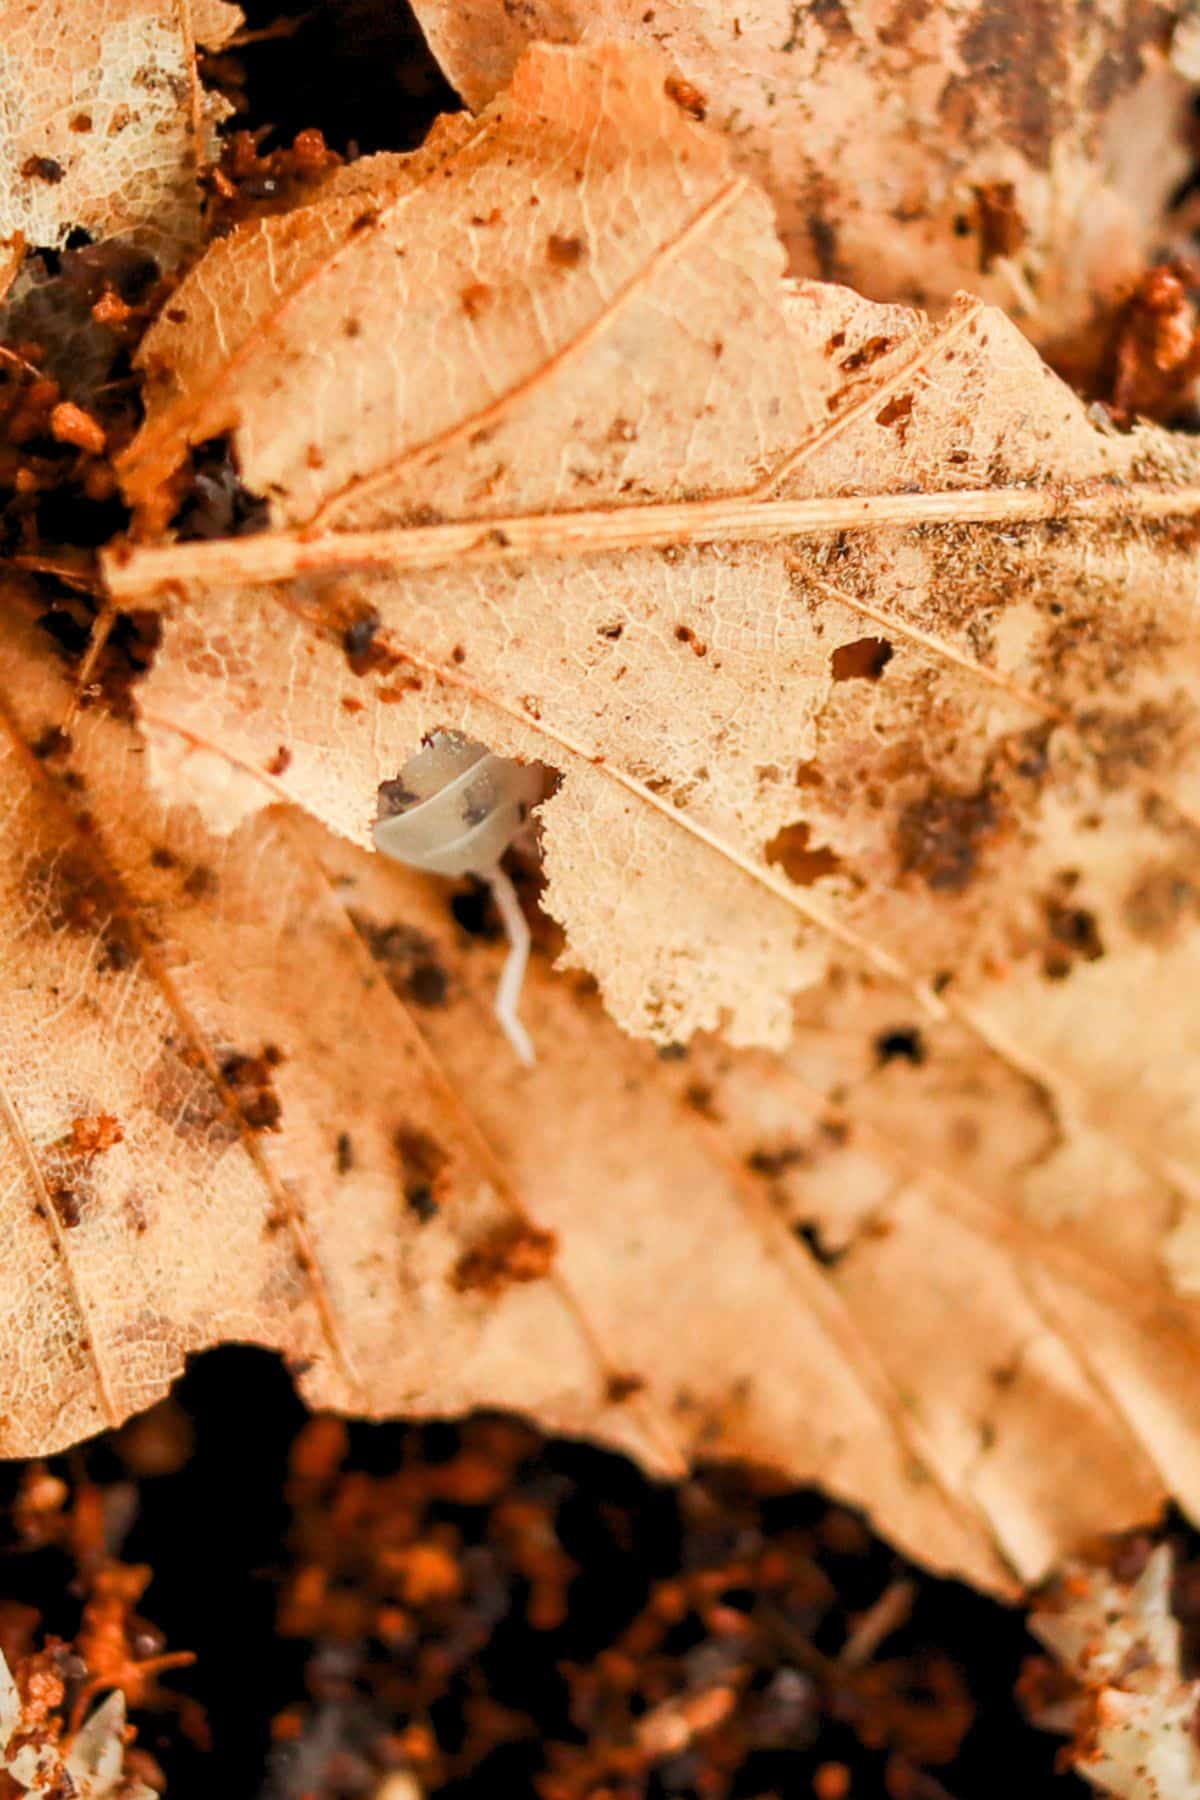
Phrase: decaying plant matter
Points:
(104, 126)
(1030, 153)
(861, 653)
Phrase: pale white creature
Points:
(454, 809)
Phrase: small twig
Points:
(84, 581)
(10, 356)
(105, 620)
(508, 992)
(283, 27)
(884, 1616)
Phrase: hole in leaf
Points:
(903, 1044)
(801, 861)
(863, 660)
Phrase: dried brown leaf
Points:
(103, 124)
(150, 962)
(1027, 152)
(868, 662)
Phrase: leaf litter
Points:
(985, 802)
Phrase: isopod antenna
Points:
(508, 989)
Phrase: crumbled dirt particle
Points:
(43, 168)
(687, 96)
(249, 183)
(1153, 361)
(511, 1253)
(365, 651)
(93, 1136)
(250, 1079)
(70, 424)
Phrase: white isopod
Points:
(454, 809)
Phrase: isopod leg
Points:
(508, 992)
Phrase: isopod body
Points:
(453, 810)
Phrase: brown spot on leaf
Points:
(866, 354)
(408, 957)
(71, 895)
(1073, 937)
(565, 252)
(939, 837)
(422, 1162)
(698, 1095)
(180, 1091)
(777, 1162)
(823, 234)
(510, 1253)
(1004, 41)
(1161, 902)
(863, 660)
(1002, 228)
(896, 411)
(474, 297)
(68, 1204)
(621, 1387)
(803, 862)
(200, 882)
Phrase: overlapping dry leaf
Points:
(103, 125)
(1134, 1718)
(868, 663)
(222, 1122)
(1027, 152)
